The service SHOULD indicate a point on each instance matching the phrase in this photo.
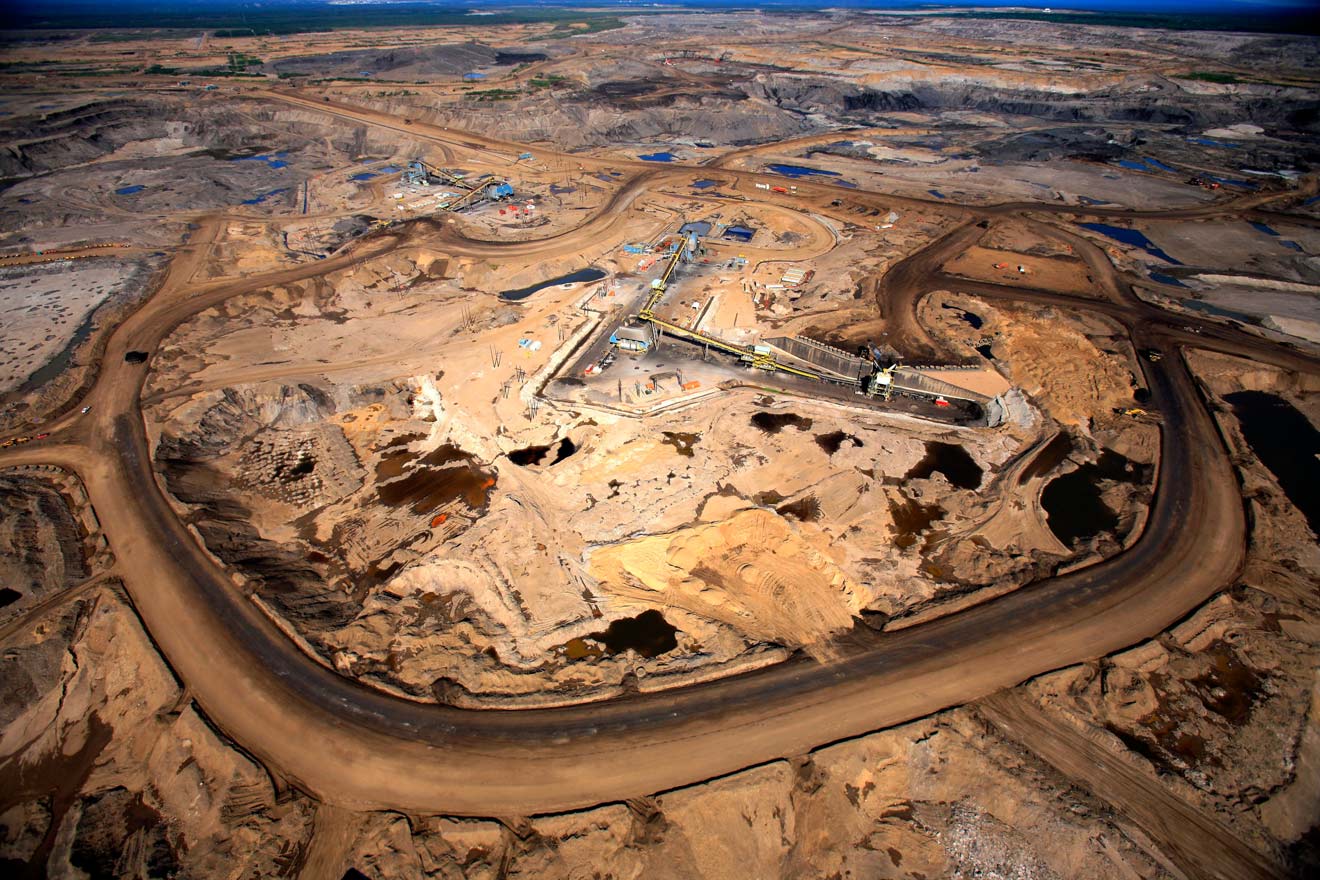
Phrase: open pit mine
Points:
(659, 444)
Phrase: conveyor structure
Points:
(820, 362)
(488, 188)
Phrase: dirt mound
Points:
(754, 571)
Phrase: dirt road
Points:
(1196, 842)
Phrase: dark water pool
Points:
(657, 157)
(1287, 444)
(274, 161)
(832, 442)
(1131, 237)
(1165, 279)
(1074, 509)
(1233, 182)
(950, 459)
(972, 319)
(58, 364)
(1048, 458)
(257, 200)
(588, 274)
(773, 423)
(911, 518)
(534, 455)
(1197, 305)
(649, 634)
(1207, 142)
(129, 190)
(684, 442)
(796, 171)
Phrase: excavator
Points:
(881, 381)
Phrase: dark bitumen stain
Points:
(911, 518)
(439, 477)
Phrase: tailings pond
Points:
(589, 274)
(1131, 237)
(1287, 444)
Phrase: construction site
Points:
(695, 444)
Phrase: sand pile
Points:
(754, 571)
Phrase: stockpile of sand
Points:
(753, 571)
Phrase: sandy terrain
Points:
(46, 309)
(348, 540)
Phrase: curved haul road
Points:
(357, 747)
